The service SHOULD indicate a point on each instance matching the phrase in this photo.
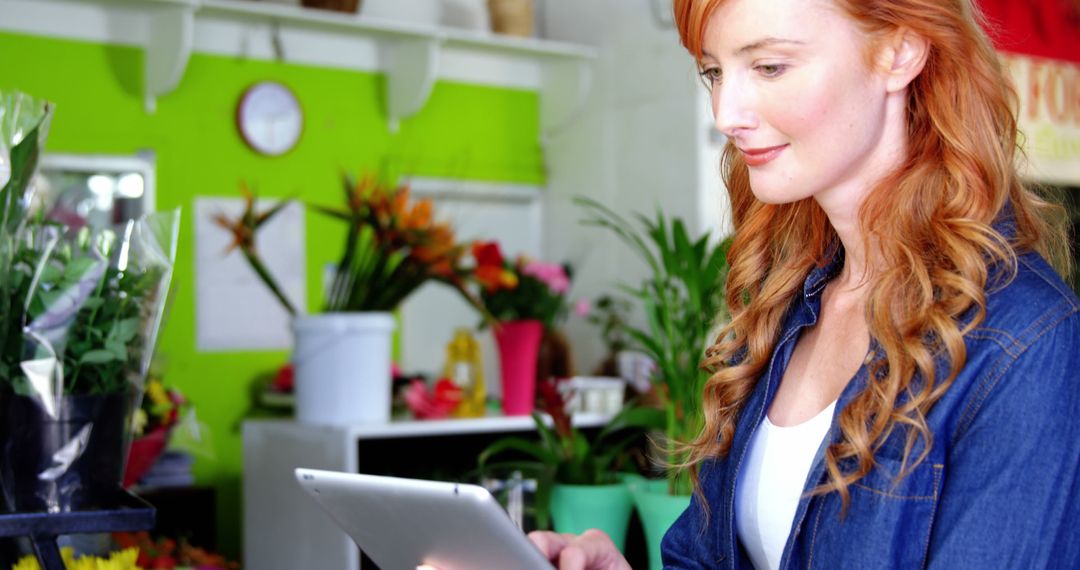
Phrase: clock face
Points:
(270, 118)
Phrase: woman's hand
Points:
(592, 550)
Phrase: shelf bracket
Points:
(563, 92)
(411, 66)
(168, 48)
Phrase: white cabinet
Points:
(286, 530)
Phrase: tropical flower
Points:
(243, 229)
(393, 245)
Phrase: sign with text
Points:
(1048, 117)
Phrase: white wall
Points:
(642, 143)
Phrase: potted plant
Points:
(341, 357)
(524, 297)
(578, 477)
(79, 316)
(682, 300)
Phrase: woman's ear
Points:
(903, 58)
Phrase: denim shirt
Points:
(1000, 487)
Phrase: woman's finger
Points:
(549, 543)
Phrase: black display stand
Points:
(125, 512)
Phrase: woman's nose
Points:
(733, 109)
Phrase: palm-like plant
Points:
(682, 300)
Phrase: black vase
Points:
(70, 460)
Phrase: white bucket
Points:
(342, 367)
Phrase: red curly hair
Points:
(930, 221)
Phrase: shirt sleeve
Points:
(1011, 493)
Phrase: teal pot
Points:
(70, 458)
(658, 511)
(577, 508)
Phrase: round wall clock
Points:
(269, 118)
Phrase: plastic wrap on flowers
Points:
(80, 319)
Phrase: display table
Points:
(127, 512)
(286, 530)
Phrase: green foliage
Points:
(572, 457)
(682, 300)
(611, 314)
(85, 302)
(565, 455)
(78, 305)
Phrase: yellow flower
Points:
(156, 392)
(122, 560)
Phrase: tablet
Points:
(402, 523)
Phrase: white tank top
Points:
(771, 482)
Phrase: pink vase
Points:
(519, 345)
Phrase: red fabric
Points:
(1041, 28)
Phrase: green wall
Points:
(464, 131)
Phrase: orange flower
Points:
(419, 217)
(493, 278)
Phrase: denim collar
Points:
(824, 271)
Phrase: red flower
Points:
(555, 406)
(283, 380)
(487, 254)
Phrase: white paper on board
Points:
(234, 309)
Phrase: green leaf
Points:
(516, 444)
(633, 417)
(51, 274)
(77, 268)
(118, 349)
(124, 331)
(98, 356)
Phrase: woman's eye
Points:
(771, 69)
(711, 75)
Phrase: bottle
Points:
(464, 367)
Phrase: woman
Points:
(900, 383)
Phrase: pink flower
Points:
(551, 274)
(432, 404)
(582, 308)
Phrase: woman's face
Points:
(792, 89)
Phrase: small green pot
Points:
(658, 511)
(577, 508)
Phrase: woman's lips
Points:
(761, 156)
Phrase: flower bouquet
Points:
(393, 245)
(79, 318)
(525, 297)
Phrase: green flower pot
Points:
(658, 511)
(577, 508)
